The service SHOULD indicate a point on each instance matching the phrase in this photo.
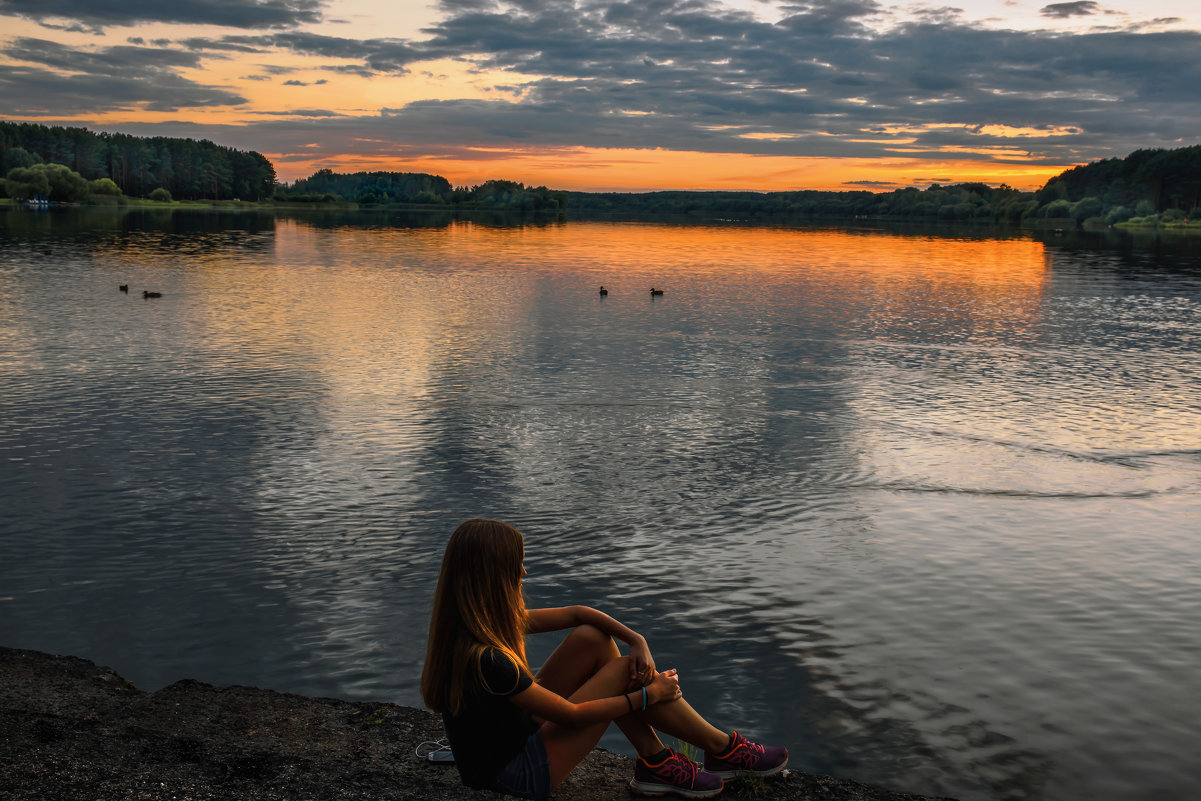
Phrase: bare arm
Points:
(544, 704)
(566, 617)
(642, 664)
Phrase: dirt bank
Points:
(74, 731)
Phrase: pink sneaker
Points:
(743, 756)
(673, 773)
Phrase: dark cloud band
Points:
(1079, 8)
(828, 79)
(249, 14)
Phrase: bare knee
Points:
(591, 633)
(583, 652)
(592, 639)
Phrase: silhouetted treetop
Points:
(189, 169)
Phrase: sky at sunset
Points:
(627, 96)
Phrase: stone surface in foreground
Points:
(72, 730)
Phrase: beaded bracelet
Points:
(644, 699)
(629, 703)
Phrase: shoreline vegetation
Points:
(70, 729)
(1057, 224)
(43, 165)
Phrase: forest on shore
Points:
(1151, 187)
(327, 186)
(121, 164)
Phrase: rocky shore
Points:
(73, 731)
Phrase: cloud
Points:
(67, 81)
(121, 61)
(98, 14)
(1079, 8)
(386, 56)
(873, 184)
(28, 92)
(378, 55)
(835, 78)
(690, 75)
(943, 14)
(1140, 25)
(672, 73)
(301, 112)
(200, 43)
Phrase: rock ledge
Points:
(73, 731)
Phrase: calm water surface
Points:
(924, 508)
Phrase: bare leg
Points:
(566, 746)
(587, 666)
(579, 658)
(681, 721)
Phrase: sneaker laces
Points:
(680, 769)
(749, 754)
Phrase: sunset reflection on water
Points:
(907, 502)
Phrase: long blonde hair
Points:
(478, 605)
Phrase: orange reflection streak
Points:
(724, 250)
(370, 312)
(369, 329)
(993, 286)
(393, 319)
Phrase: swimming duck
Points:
(124, 288)
(656, 291)
(603, 291)
(149, 294)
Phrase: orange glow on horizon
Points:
(283, 86)
(638, 170)
(588, 169)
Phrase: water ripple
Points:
(910, 505)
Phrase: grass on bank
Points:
(1153, 222)
(125, 201)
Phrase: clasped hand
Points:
(664, 687)
(642, 664)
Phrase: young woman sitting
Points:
(520, 733)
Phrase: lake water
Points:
(923, 506)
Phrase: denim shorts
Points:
(528, 774)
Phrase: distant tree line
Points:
(327, 186)
(187, 169)
(419, 188)
(1148, 186)
(967, 201)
